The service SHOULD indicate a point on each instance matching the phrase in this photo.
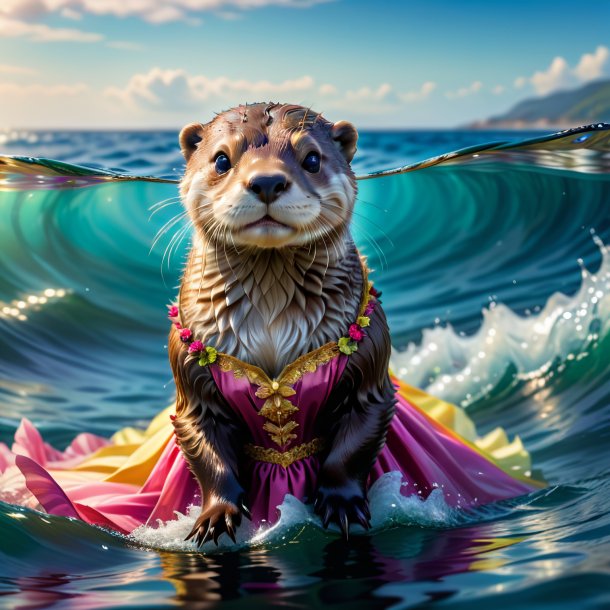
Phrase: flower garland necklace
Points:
(205, 354)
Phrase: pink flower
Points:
(195, 346)
(186, 334)
(355, 332)
(370, 306)
(178, 325)
(173, 312)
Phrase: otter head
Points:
(269, 176)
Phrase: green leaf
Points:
(346, 346)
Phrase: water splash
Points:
(388, 507)
(463, 368)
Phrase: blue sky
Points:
(148, 63)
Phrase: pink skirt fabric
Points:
(428, 455)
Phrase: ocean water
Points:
(496, 278)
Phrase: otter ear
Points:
(345, 136)
(189, 137)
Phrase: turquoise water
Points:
(496, 282)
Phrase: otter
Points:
(273, 274)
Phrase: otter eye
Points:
(222, 164)
(311, 163)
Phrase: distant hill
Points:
(587, 104)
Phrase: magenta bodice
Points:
(311, 393)
(272, 480)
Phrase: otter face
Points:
(269, 176)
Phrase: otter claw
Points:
(214, 521)
(344, 507)
(244, 509)
(231, 533)
(361, 518)
(327, 515)
(344, 523)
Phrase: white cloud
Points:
(473, 88)
(591, 65)
(39, 32)
(559, 75)
(69, 13)
(36, 91)
(174, 89)
(72, 105)
(555, 77)
(8, 69)
(153, 11)
(124, 45)
(368, 94)
(421, 94)
(328, 89)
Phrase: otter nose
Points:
(268, 188)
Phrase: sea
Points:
(492, 253)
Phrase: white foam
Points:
(388, 508)
(461, 369)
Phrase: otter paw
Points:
(215, 520)
(342, 505)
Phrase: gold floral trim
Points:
(290, 374)
(366, 287)
(277, 408)
(285, 458)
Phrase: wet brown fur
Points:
(320, 291)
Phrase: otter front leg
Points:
(361, 409)
(208, 435)
(359, 436)
(207, 440)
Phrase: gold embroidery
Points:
(285, 458)
(308, 363)
(281, 434)
(277, 409)
(366, 287)
(241, 369)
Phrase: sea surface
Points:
(495, 275)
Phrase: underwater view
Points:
(494, 264)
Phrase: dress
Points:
(139, 478)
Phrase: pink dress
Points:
(122, 485)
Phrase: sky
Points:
(381, 64)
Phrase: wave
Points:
(462, 368)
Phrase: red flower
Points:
(374, 292)
(355, 332)
(195, 346)
(173, 312)
(186, 334)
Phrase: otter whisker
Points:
(178, 242)
(368, 221)
(167, 248)
(175, 237)
(166, 227)
(155, 207)
(371, 204)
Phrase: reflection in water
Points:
(305, 574)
